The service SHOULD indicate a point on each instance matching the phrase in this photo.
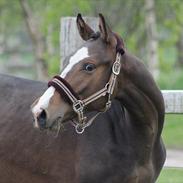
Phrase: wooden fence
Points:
(173, 101)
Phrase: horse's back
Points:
(28, 155)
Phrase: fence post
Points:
(69, 36)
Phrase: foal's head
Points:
(88, 71)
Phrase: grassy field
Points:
(169, 175)
(173, 138)
(173, 131)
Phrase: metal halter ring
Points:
(79, 129)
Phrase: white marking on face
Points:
(43, 101)
(78, 56)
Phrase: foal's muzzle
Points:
(41, 119)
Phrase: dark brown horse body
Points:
(115, 148)
(26, 154)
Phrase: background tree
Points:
(125, 17)
(152, 39)
(37, 40)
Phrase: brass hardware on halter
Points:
(117, 65)
(78, 105)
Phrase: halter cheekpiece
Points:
(78, 105)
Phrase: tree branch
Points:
(37, 40)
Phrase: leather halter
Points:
(65, 90)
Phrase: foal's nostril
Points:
(42, 119)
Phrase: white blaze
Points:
(78, 56)
(45, 98)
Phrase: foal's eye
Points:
(89, 67)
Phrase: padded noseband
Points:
(60, 89)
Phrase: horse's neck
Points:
(139, 94)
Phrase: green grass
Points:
(173, 131)
(173, 138)
(169, 175)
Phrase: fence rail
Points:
(173, 101)
(173, 105)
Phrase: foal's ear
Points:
(105, 31)
(84, 29)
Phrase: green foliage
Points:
(125, 17)
(170, 27)
(10, 16)
(171, 80)
(167, 59)
(53, 65)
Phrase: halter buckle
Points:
(117, 65)
(78, 106)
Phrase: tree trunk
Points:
(37, 40)
(179, 46)
(152, 41)
(50, 47)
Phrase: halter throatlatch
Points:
(78, 105)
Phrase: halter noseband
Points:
(65, 90)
